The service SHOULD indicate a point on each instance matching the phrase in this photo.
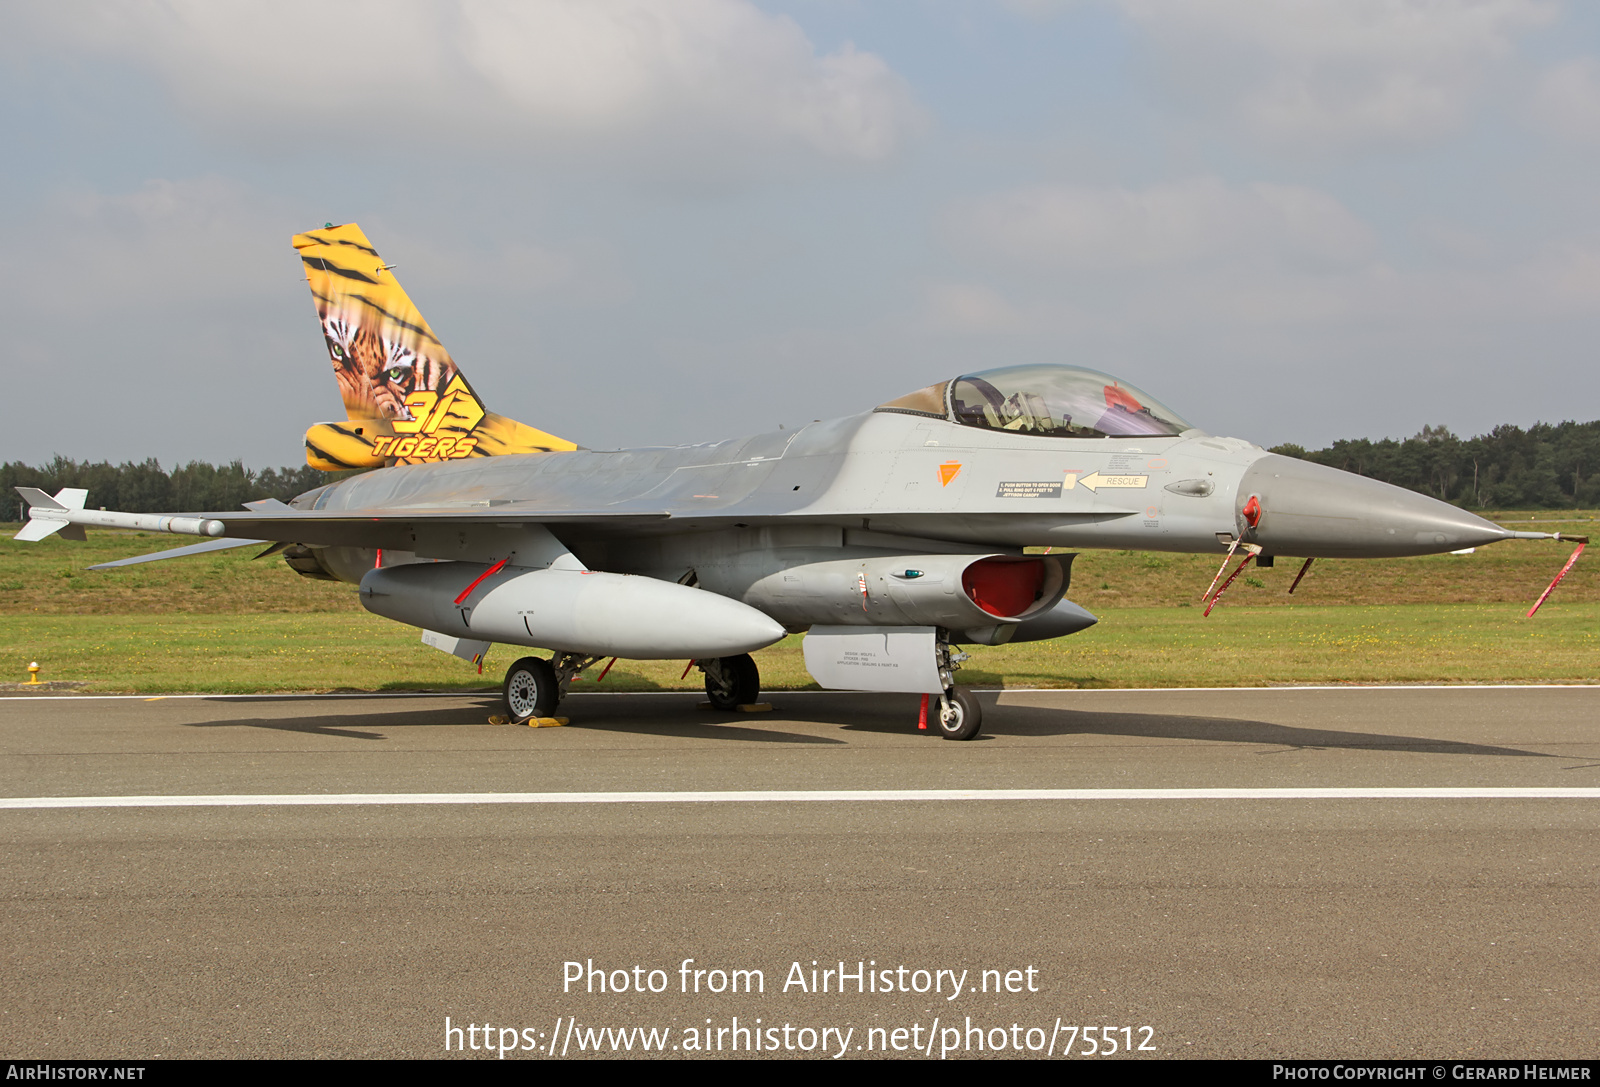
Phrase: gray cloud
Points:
(1332, 73)
(716, 80)
(1567, 100)
(1199, 220)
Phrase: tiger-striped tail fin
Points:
(406, 399)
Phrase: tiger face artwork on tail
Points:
(406, 399)
(381, 348)
(376, 374)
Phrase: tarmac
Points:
(330, 878)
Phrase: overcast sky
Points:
(663, 221)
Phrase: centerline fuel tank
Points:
(979, 598)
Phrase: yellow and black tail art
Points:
(407, 401)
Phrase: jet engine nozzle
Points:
(1311, 510)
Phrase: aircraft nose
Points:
(1308, 510)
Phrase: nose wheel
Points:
(960, 716)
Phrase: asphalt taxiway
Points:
(1428, 922)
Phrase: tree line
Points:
(1547, 466)
(149, 488)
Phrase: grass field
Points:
(226, 623)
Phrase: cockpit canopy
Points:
(1043, 400)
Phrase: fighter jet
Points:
(892, 538)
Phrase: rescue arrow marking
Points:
(1094, 481)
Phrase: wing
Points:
(427, 528)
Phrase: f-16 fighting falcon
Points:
(891, 538)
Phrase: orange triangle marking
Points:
(947, 472)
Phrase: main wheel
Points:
(732, 682)
(530, 690)
(959, 716)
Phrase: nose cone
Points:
(1311, 510)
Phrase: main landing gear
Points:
(731, 682)
(530, 690)
(534, 687)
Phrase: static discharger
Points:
(1306, 566)
(1225, 560)
(1582, 542)
(1251, 552)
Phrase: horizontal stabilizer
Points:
(177, 553)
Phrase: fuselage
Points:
(883, 482)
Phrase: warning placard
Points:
(1029, 489)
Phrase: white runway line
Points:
(779, 796)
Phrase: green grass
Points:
(1135, 647)
(226, 623)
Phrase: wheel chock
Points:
(532, 722)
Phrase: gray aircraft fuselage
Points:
(873, 482)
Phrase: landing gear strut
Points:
(731, 682)
(960, 716)
(534, 686)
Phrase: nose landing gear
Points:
(960, 716)
(731, 682)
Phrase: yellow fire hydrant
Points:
(33, 671)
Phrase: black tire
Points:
(530, 690)
(737, 682)
(965, 716)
